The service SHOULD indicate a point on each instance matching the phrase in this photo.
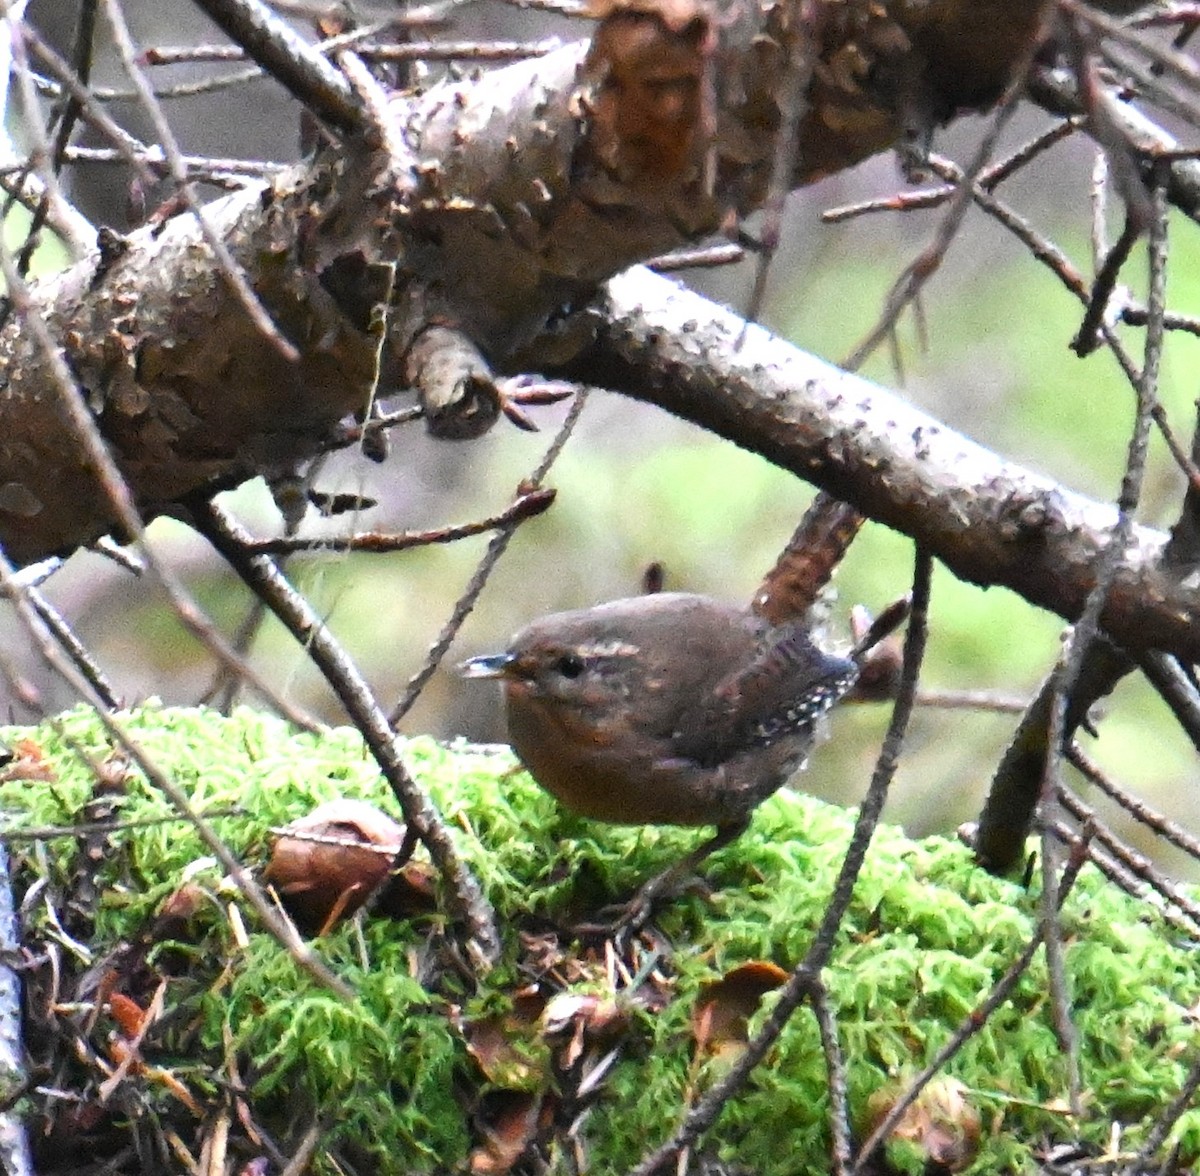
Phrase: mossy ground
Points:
(391, 1074)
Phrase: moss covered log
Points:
(431, 1069)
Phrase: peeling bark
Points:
(184, 389)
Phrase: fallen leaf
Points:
(724, 1008)
(507, 1121)
(327, 864)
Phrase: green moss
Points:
(927, 936)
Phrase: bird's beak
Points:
(492, 665)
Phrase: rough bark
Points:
(185, 390)
(989, 520)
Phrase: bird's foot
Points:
(623, 922)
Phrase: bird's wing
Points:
(784, 690)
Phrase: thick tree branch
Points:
(990, 521)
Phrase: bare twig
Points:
(805, 34)
(282, 929)
(1177, 689)
(82, 828)
(980, 700)
(527, 504)
(1057, 91)
(1087, 628)
(1171, 1114)
(496, 548)
(21, 589)
(370, 50)
(51, 206)
(971, 1025)
(805, 979)
(990, 178)
(835, 1062)
(1136, 864)
(265, 580)
(1136, 807)
(129, 148)
(304, 72)
(909, 285)
(75, 649)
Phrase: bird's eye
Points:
(570, 665)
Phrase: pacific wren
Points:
(669, 708)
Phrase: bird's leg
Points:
(633, 915)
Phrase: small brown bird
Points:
(669, 708)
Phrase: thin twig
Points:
(56, 627)
(496, 548)
(990, 178)
(979, 700)
(379, 126)
(1057, 90)
(1137, 864)
(973, 1023)
(300, 69)
(1050, 255)
(909, 285)
(130, 149)
(47, 159)
(1137, 808)
(75, 649)
(1089, 335)
(526, 505)
(704, 257)
(282, 929)
(1062, 681)
(841, 1154)
(375, 51)
(82, 828)
(265, 580)
(156, 158)
(806, 33)
(1068, 834)
(212, 85)
(1176, 689)
(805, 978)
(1171, 1115)
(1087, 627)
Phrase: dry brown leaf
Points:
(500, 1046)
(724, 1008)
(327, 864)
(507, 1122)
(28, 763)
